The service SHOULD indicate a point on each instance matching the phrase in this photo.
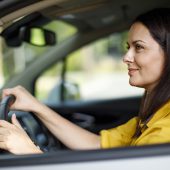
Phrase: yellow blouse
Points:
(157, 131)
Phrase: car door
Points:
(131, 158)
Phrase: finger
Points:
(6, 92)
(3, 145)
(2, 138)
(13, 90)
(15, 121)
(5, 124)
(3, 131)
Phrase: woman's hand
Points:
(14, 139)
(24, 100)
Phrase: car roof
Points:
(84, 14)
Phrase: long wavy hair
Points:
(157, 22)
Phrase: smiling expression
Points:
(144, 58)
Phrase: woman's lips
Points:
(132, 71)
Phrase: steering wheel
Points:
(4, 110)
(29, 123)
(5, 106)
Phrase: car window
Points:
(96, 71)
(51, 77)
(15, 60)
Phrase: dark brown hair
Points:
(157, 22)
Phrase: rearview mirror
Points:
(37, 36)
(33, 35)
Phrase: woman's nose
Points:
(128, 57)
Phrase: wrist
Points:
(36, 105)
(34, 149)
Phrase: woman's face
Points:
(144, 58)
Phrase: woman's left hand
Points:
(14, 139)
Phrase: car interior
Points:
(93, 20)
(89, 22)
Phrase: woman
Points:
(148, 61)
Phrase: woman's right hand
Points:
(24, 100)
(14, 139)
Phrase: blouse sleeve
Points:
(119, 136)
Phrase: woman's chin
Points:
(135, 84)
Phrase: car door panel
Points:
(104, 114)
(141, 157)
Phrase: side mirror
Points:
(37, 36)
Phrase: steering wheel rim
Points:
(5, 106)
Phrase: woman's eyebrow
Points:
(136, 41)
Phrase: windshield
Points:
(15, 60)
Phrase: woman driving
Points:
(148, 63)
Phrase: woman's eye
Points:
(138, 47)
